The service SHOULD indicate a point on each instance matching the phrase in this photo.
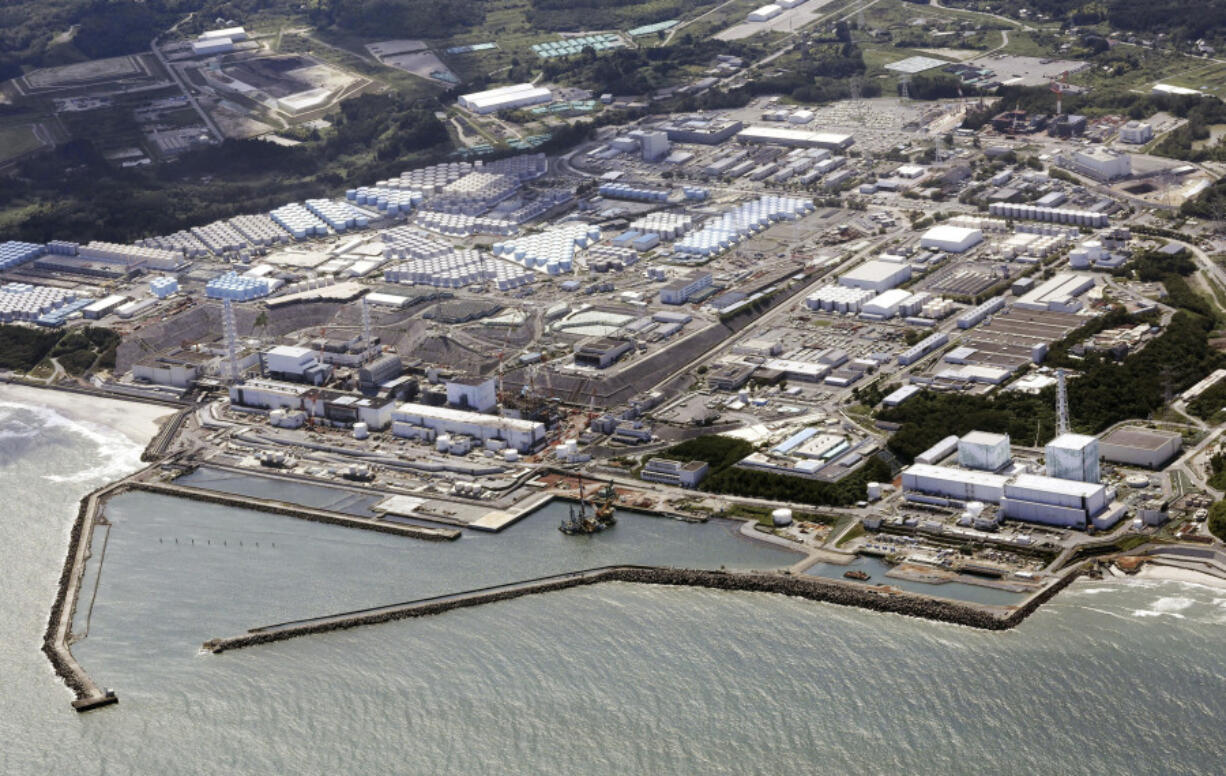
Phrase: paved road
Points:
(186, 88)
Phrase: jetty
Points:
(811, 588)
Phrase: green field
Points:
(15, 141)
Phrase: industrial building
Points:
(669, 472)
(953, 239)
(764, 13)
(420, 421)
(679, 291)
(984, 451)
(1139, 446)
(602, 353)
(1136, 132)
(1027, 498)
(1058, 293)
(478, 394)
(802, 138)
(505, 98)
(179, 369)
(701, 130)
(1073, 457)
(655, 145)
(876, 275)
(1098, 163)
(295, 364)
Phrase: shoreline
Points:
(135, 420)
(1164, 573)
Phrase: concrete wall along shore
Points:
(811, 588)
(426, 533)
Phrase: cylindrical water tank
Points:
(781, 517)
(360, 430)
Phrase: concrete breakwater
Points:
(811, 588)
(58, 636)
(427, 533)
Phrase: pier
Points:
(811, 588)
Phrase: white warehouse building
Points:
(765, 13)
(876, 275)
(505, 98)
(421, 421)
(954, 239)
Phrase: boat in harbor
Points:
(589, 519)
(856, 574)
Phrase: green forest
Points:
(74, 191)
(22, 348)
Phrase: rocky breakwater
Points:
(811, 588)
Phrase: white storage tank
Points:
(781, 517)
(360, 430)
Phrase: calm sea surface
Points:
(1109, 677)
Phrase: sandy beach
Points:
(134, 420)
(1172, 573)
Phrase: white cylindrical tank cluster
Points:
(457, 269)
(552, 251)
(260, 230)
(298, 221)
(838, 299)
(463, 225)
(26, 302)
(1050, 214)
(720, 234)
(428, 180)
(338, 215)
(391, 201)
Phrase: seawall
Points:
(811, 588)
(58, 636)
(426, 533)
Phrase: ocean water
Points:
(611, 679)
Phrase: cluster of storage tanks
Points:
(13, 253)
(551, 251)
(457, 269)
(338, 215)
(239, 288)
(669, 226)
(385, 200)
(298, 221)
(184, 242)
(462, 225)
(838, 299)
(427, 180)
(636, 193)
(405, 242)
(475, 193)
(259, 230)
(163, 286)
(720, 234)
(607, 258)
(1051, 214)
(26, 302)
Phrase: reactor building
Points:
(1073, 457)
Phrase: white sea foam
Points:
(117, 454)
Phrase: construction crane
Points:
(1058, 86)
